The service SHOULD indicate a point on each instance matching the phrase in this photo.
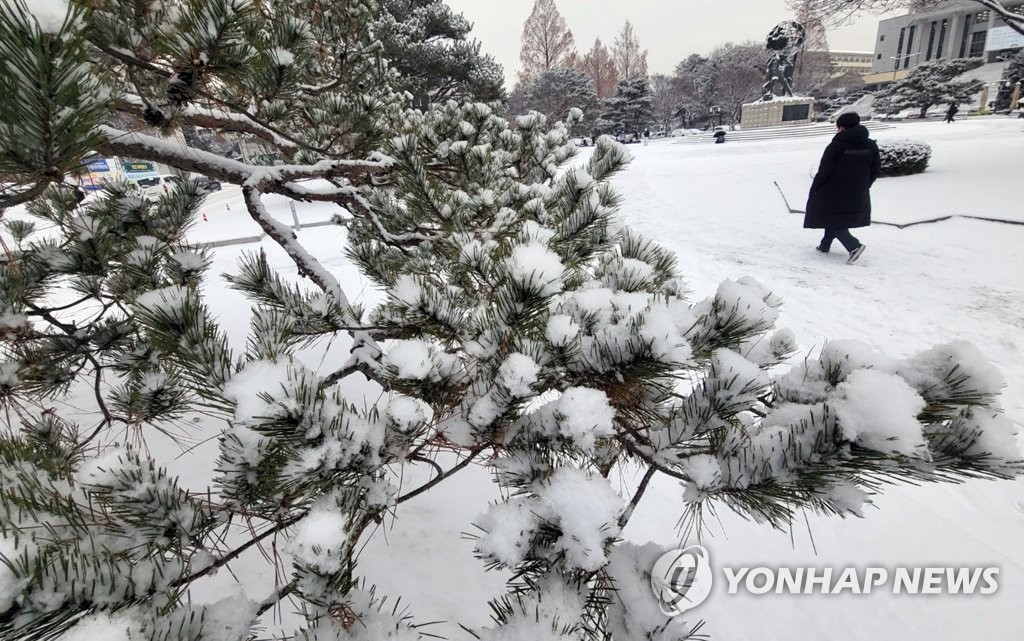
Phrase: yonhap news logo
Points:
(681, 580)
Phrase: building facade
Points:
(844, 62)
(952, 29)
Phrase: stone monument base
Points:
(780, 110)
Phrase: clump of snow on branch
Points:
(581, 508)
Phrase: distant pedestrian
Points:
(719, 137)
(647, 136)
(953, 109)
(840, 198)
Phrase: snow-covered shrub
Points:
(520, 324)
(904, 157)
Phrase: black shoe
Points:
(821, 249)
(855, 254)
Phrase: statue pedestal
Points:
(781, 110)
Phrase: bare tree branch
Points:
(1014, 19)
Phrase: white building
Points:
(949, 30)
(844, 62)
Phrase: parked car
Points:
(157, 182)
(208, 184)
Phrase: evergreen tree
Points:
(599, 66)
(931, 83)
(1013, 73)
(521, 323)
(631, 109)
(554, 93)
(630, 60)
(547, 42)
(428, 44)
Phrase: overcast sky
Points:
(669, 29)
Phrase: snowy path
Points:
(913, 288)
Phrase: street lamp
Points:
(896, 66)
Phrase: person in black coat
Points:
(952, 111)
(840, 198)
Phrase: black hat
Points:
(848, 119)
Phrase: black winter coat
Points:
(840, 197)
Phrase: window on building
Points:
(881, 38)
(879, 57)
(982, 16)
(977, 44)
(931, 40)
(963, 38)
(899, 48)
(940, 49)
(910, 46)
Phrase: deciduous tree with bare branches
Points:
(839, 11)
(599, 66)
(630, 60)
(547, 42)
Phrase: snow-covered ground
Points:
(717, 207)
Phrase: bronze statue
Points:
(785, 42)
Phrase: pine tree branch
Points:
(69, 329)
(72, 331)
(40, 311)
(276, 597)
(268, 179)
(211, 119)
(238, 551)
(647, 458)
(434, 464)
(365, 351)
(133, 61)
(624, 519)
(18, 198)
(398, 240)
(351, 368)
(440, 477)
(264, 129)
(309, 267)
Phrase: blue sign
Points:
(100, 164)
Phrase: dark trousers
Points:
(842, 235)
